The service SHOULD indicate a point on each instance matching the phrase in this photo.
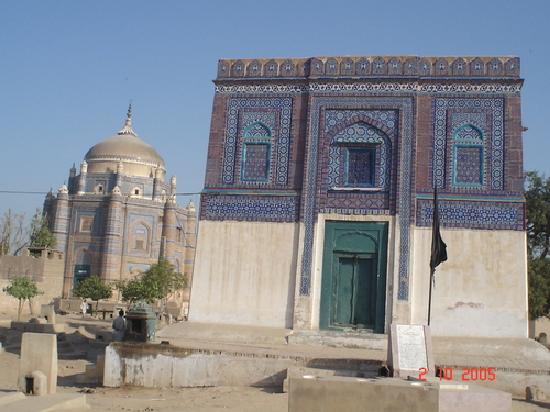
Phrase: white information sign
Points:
(411, 347)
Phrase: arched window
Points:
(256, 153)
(360, 157)
(141, 237)
(468, 157)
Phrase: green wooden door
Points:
(81, 272)
(353, 285)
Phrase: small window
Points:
(256, 153)
(85, 225)
(140, 237)
(359, 167)
(255, 161)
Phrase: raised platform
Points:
(518, 363)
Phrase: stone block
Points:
(335, 394)
(48, 312)
(39, 353)
(534, 393)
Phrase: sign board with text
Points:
(410, 351)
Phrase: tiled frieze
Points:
(470, 214)
(249, 207)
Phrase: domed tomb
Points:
(138, 158)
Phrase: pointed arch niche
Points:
(468, 157)
(360, 158)
(256, 153)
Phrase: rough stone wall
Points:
(46, 270)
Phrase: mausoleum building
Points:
(119, 214)
(317, 208)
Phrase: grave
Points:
(410, 351)
(48, 313)
(38, 354)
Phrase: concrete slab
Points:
(335, 394)
(49, 403)
(39, 353)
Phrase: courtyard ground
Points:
(130, 399)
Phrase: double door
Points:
(353, 284)
(353, 291)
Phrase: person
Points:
(83, 308)
(119, 326)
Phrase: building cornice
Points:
(424, 85)
(393, 66)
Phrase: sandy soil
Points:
(128, 399)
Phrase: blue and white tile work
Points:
(478, 122)
(475, 214)
(420, 121)
(337, 114)
(250, 208)
(271, 117)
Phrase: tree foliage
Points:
(154, 284)
(93, 288)
(40, 233)
(22, 288)
(537, 196)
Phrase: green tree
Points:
(537, 196)
(40, 233)
(93, 288)
(22, 288)
(154, 284)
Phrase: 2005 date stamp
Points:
(466, 374)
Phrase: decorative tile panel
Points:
(472, 214)
(487, 115)
(255, 161)
(245, 112)
(468, 166)
(249, 207)
(359, 133)
(327, 114)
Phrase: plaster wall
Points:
(244, 273)
(481, 290)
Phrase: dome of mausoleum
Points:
(138, 157)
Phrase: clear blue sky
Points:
(69, 68)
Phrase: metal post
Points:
(430, 297)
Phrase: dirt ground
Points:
(130, 399)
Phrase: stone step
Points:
(236, 334)
(352, 339)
